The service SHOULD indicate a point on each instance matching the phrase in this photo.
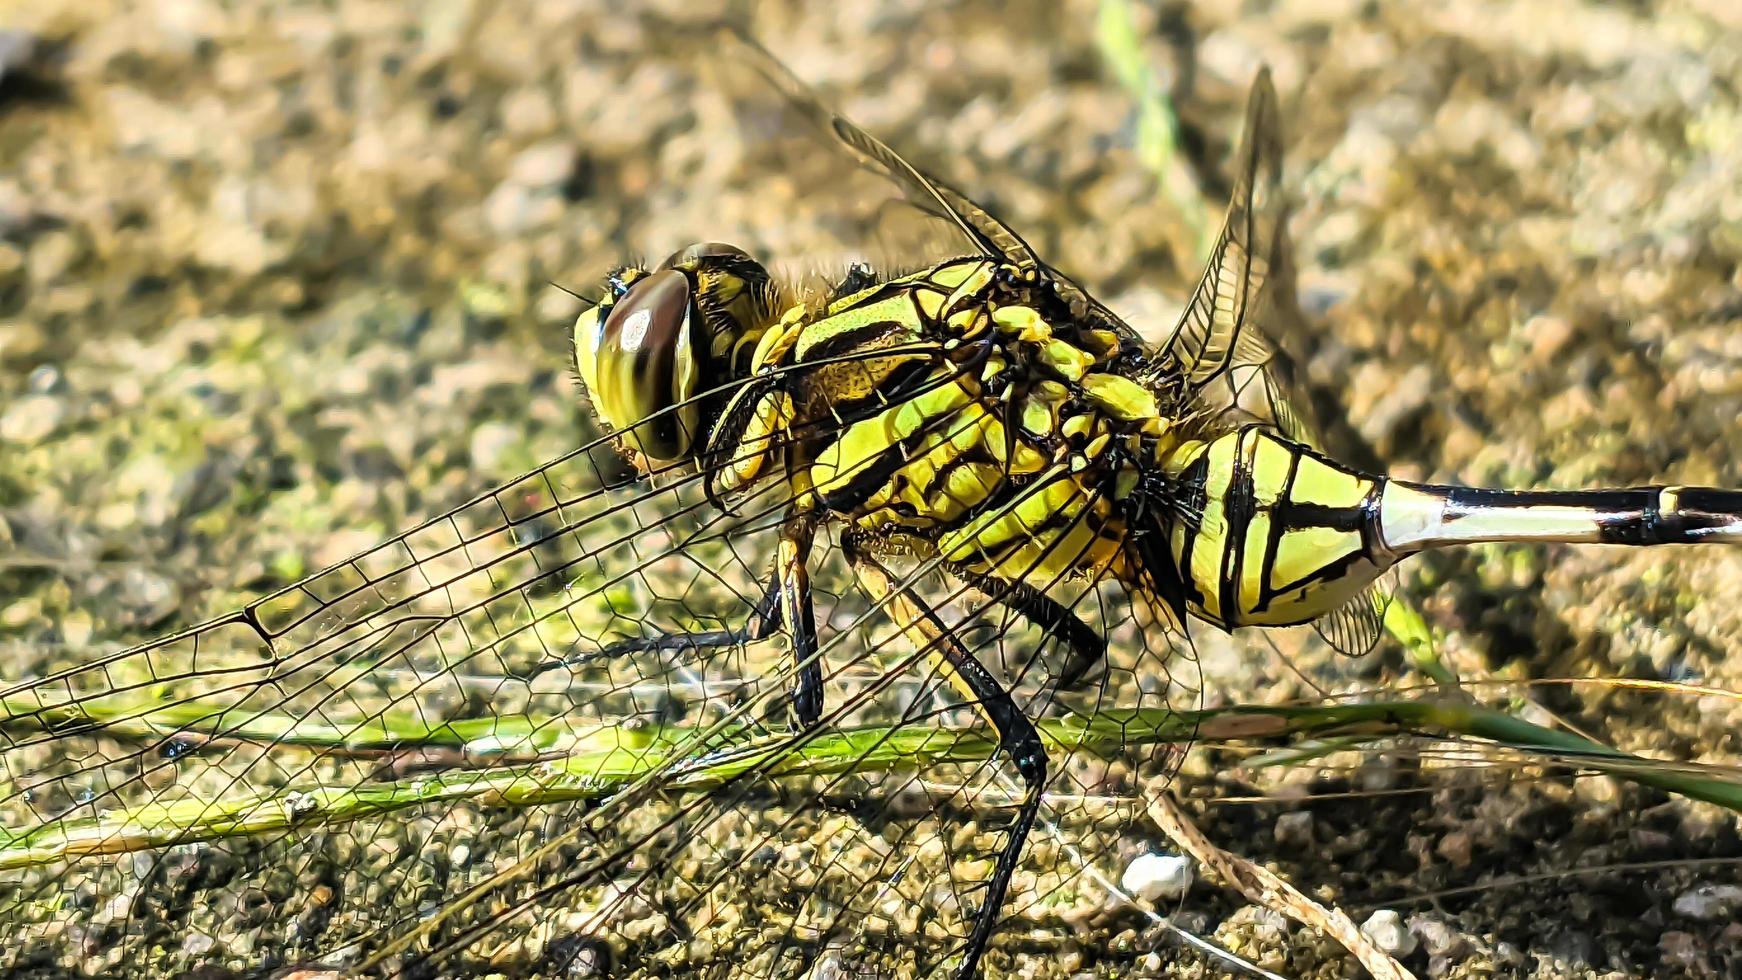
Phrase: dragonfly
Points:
(901, 579)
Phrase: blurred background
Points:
(280, 278)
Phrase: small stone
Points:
(1709, 903)
(50, 256)
(32, 419)
(1438, 938)
(1548, 336)
(20, 341)
(544, 166)
(1295, 828)
(146, 597)
(1385, 929)
(197, 944)
(76, 628)
(1158, 877)
(1682, 949)
(1574, 948)
(491, 443)
(1456, 848)
(829, 966)
(1377, 775)
(528, 112)
(45, 380)
(17, 50)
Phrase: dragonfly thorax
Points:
(961, 410)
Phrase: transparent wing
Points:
(1220, 360)
(366, 769)
(1217, 350)
(982, 231)
(978, 228)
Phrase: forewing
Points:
(313, 771)
(1217, 354)
(979, 229)
(367, 768)
(728, 44)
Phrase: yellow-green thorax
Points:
(955, 414)
(959, 413)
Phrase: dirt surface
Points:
(275, 282)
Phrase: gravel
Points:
(275, 282)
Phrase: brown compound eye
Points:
(641, 361)
(703, 250)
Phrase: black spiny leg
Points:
(786, 599)
(762, 624)
(1017, 737)
(792, 587)
(1087, 647)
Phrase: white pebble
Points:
(1158, 877)
(1385, 929)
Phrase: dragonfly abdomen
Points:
(1418, 516)
(1272, 533)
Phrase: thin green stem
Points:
(596, 762)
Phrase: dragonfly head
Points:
(653, 351)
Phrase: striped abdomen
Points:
(1273, 533)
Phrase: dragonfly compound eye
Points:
(638, 359)
(698, 253)
(735, 300)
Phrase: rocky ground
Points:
(277, 280)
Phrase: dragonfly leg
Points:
(791, 590)
(786, 599)
(1087, 647)
(1017, 737)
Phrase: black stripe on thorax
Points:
(849, 341)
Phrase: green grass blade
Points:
(603, 760)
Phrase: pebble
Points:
(1385, 929)
(1681, 949)
(528, 112)
(1709, 903)
(1158, 877)
(1295, 828)
(45, 379)
(1574, 948)
(491, 443)
(32, 419)
(20, 341)
(17, 48)
(1456, 848)
(1438, 938)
